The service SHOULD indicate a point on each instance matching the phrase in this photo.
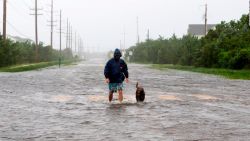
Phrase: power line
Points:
(26, 4)
(14, 28)
(17, 10)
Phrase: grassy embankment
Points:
(227, 73)
(35, 66)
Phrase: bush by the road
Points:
(228, 46)
(14, 53)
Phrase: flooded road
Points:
(72, 104)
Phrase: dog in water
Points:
(140, 93)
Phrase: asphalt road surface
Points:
(71, 104)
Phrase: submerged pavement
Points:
(71, 103)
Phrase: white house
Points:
(198, 30)
(18, 39)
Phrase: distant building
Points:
(19, 39)
(198, 30)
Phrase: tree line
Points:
(14, 53)
(227, 46)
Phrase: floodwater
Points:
(71, 104)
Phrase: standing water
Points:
(72, 104)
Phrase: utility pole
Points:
(137, 25)
(67, 34)
(60, 57)
(79, 46)
(205, 19)
(71, 38)
(36, 29)
(75, 41)
(120, 44)
(148, 35)
(52, 24)
(124, 39)
(249, 13)
(4, 19)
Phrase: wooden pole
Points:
(4, 19)
(206, 20)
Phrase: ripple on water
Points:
(72, 104)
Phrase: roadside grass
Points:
(35, 66)
(227, 73)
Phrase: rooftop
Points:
(199, 29)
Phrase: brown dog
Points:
(140, 93)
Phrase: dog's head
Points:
(139, 89)
(140, 93)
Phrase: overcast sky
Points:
(101, 23)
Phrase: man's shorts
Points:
(115, 87)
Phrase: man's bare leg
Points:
(110, 96)
(120, 95)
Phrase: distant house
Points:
(198, 30)
(19, 39)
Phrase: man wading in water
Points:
(116, 71)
